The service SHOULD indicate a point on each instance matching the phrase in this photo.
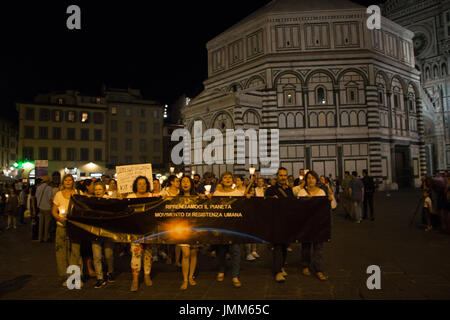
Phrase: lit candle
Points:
(7, 195)
(110, 193)
(233, 186)
(193, 172)
(62, 212)
(172, 170)
(179, 175)
(252, 171)
(207, 189)
(107, 187)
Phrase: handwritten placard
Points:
(127, 174)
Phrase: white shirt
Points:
(167, 193)
(62, 203)
(303, 193)
(234, 193)
(259, 192)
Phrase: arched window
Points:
(290, 120)
(435, 72)
(320, 95)
(444, 69)
(282, 121)
(322, 120)
(313, 120)
(330, 119)
(361, 118)
(299, 120)
(344, 119)
(353, 119)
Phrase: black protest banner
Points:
(218, 220)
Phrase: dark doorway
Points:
(403, 170)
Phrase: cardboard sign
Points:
(127, 174)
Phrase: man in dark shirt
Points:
(301, 177)
(369, 189)
(279, 191)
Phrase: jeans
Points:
(97, 247)
(45, 216)
(67, 252)
(279, 257)
(250, 247)
(368, 200)
(235, 251)
(317, 260)
(357, 211)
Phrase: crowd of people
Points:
(48, 202)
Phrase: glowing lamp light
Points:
(28, 165)
(62, 212)
(193, 172)
(207, 189)
(180, 175)
(252, 171)
(107, 187)
(15, 165)
(172, 170)
(110, 193)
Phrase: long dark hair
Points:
(136, 181)
(192, 191)
(315, 175)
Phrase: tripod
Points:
(418, 207)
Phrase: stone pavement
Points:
(414, 265)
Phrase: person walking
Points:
(12, 208)
(356, 192)
(312, 189)
(44, 196)
(369, 190)
(102, 243)
(346, 201)
(226, 180)
(188, 251)
(67, 251)
(280, 190)
(141, 189)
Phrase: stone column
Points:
(373, 126)
(421, 131)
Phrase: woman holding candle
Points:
(141, 189)
(67, 251)
(113, 192)
(99, 244)
(173, 189)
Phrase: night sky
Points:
(158, 48)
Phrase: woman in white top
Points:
(100, 244)
(113, 192)
(312, 190)
(156, 192)
(141, 189)
(173, 189)
(67, 251)
(239, 184)
(188, 252)
(235, 249)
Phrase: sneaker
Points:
(110, 278)
(220, 277)
(100, 283)
(283, 272)
(255, 254)
(358, 221)
(289, 249)
(236, 283)
(64, 284)
(279, 277)
(250, 257)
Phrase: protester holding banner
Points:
(156, 192)
(226, 181)
(99, 244)
(312, 190)
(280, 190)
(188, 252)
(67, 251)
(239, 184)
(141, 189)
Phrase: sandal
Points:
(184, 285)
(220, 277)
(306, 272)
(321, 276)
(192, 282)
(236, 283)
